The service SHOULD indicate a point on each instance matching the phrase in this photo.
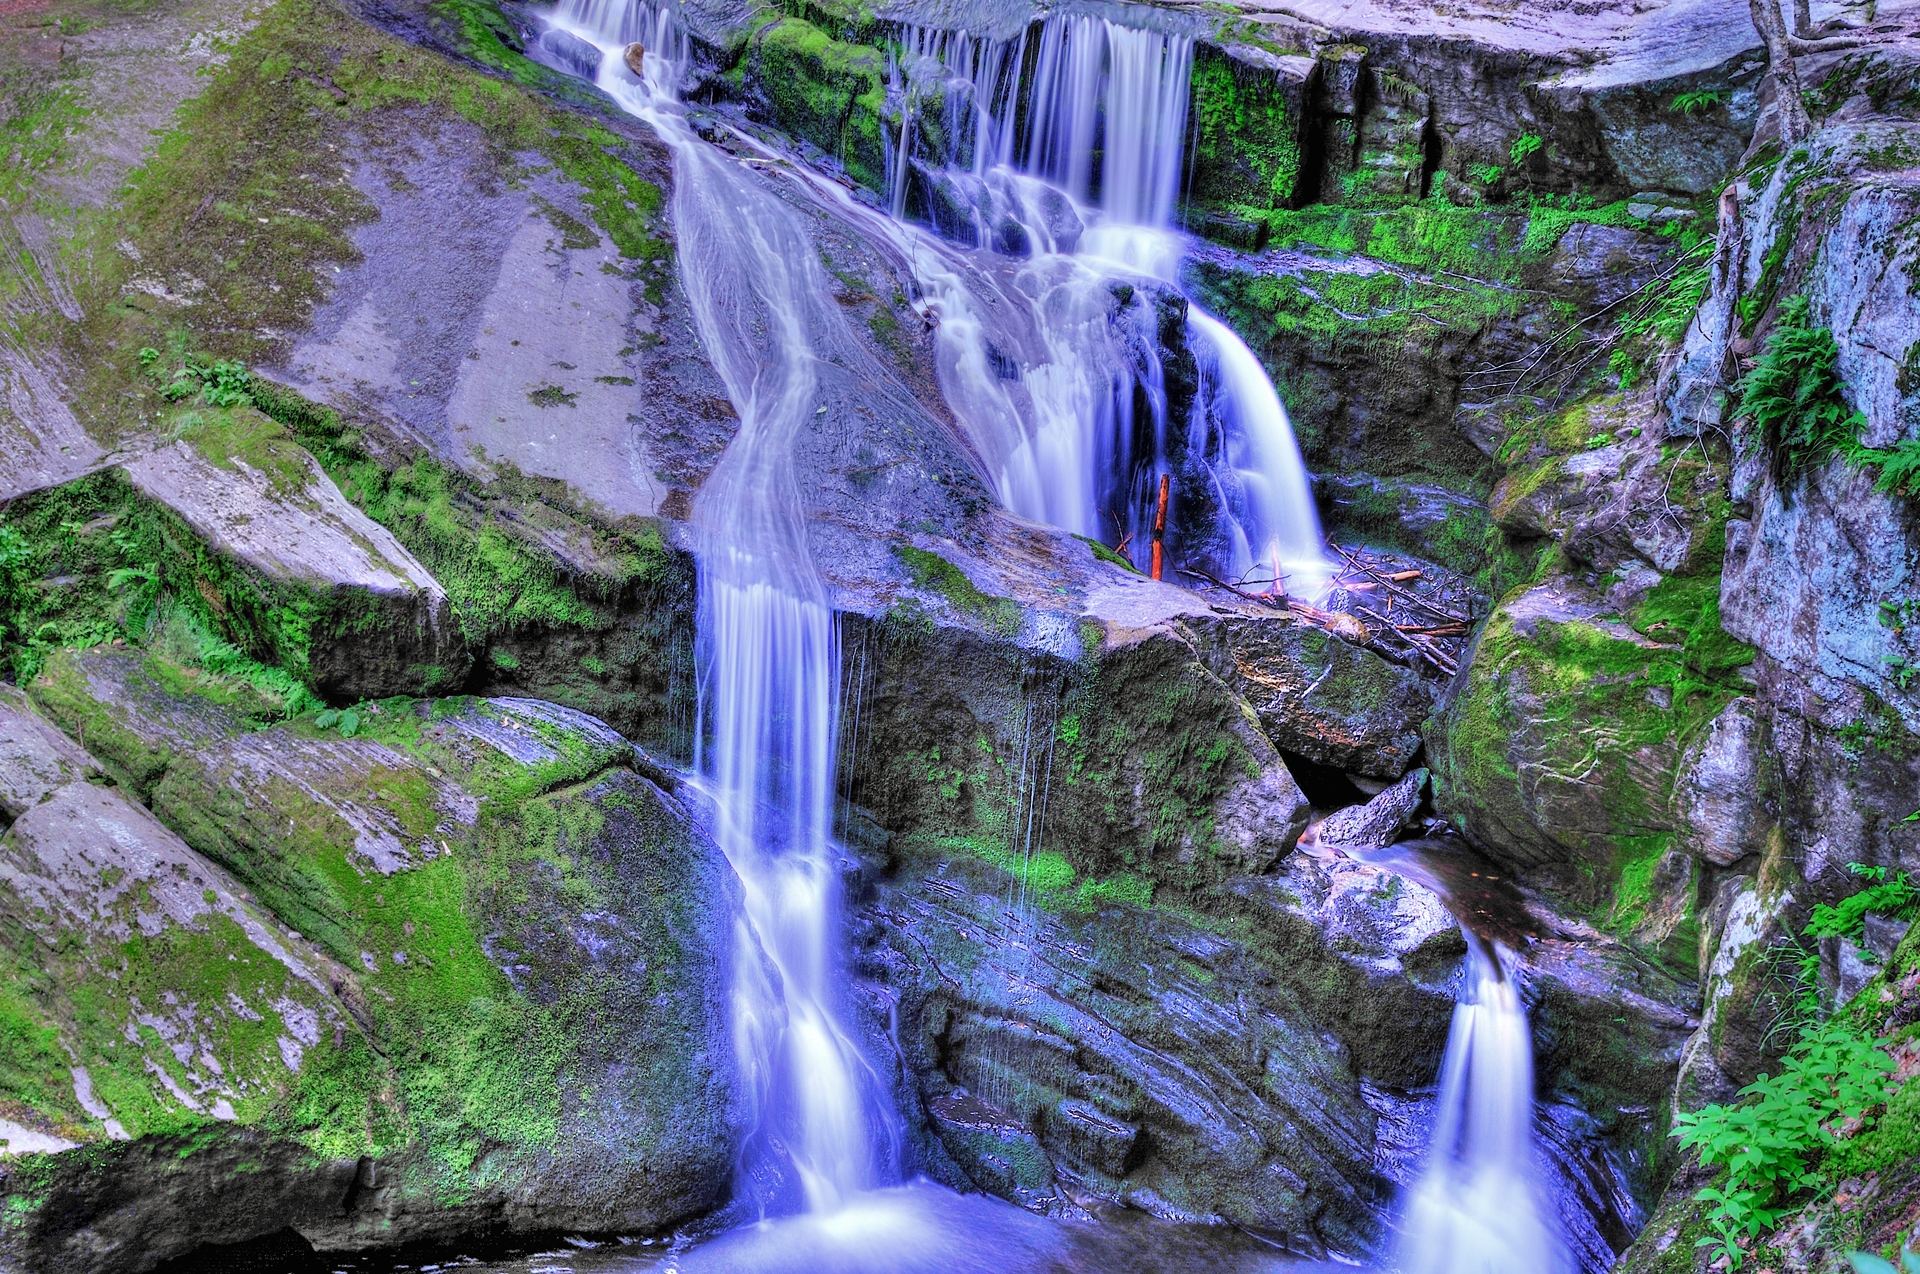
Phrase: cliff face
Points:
(370, 384)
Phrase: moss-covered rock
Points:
(525, 938)
(1559, 753)
(826, 90)
(1249, 107)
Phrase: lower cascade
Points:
(1476, 1207)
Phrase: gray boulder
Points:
(1380, 821)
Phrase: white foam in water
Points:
(1475, 1208)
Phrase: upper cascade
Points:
(1069, 153)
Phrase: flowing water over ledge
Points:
(1049, 403)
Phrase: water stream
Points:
(1476, 1208)
(1049, 357)
(768, 646)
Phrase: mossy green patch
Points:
(937, 575)
(94, 561)
(829, 91)
(1246, 135)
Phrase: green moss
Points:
(33, 1066)
(1246, 138)
(936, 574)
(1106, 554)
(94, 561)
(826, 90)
(1688, 608)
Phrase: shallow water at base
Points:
(919, 1228)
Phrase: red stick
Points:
(1160, 526)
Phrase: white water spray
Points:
(1475, 1208)
(768, 645)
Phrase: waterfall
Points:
(1475, 1208)
(1050, 373)
(768, 645)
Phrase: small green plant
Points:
(1768, 1142)
(1525, 147)
(1896, 898)
(551, 396)
(1698, 100)
(1486, 174)
(1900, 615)
(1793, 397)
(225, 383)
(346, 720)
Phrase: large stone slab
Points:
(376, 623)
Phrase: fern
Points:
(1698, 100)
(1897, 898)
(1899, 469)
(1793, 397)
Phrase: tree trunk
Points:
(1803, 19)
(1794, 124)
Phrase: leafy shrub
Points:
(225, 383)
(1769, 1142)
(1896, 898)
(1793, 397)
(1525, 146)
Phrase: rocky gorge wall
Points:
(1075, 795)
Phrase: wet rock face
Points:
(514, 940)
(1119, 1052)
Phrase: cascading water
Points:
(768, 645)
(1049, 378)
(1054, 400)
(1475, 1208)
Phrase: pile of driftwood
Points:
(1387, 613)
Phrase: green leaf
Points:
(349, 723)
(1868, 1263)
(328, 718)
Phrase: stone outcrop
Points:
(375, 622)
(1064, 1048)
(504, 1012)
